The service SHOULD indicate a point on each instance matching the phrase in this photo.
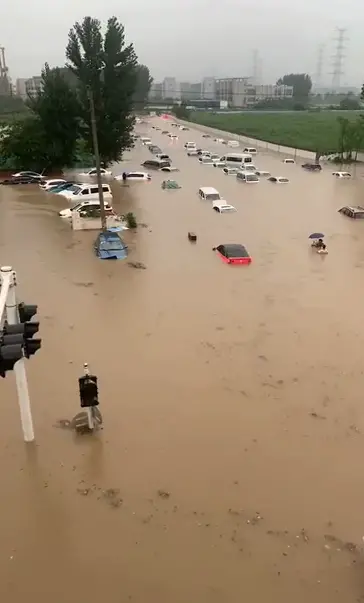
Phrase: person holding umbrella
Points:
(318, 241)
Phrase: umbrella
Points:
(316, 235)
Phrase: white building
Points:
(208, 91)
(20, 87)
(33, 85)
(170, 88)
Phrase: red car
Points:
(233, 254)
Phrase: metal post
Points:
(97, 157)
(89, 410)
(12, 317)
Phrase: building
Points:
(20, 87)
(33, 85)
(233, 90)
(170, 88)
(156, 91)
(208, 91)
(240, 92)
(273, 92)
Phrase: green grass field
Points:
(300, 130)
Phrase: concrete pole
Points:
(97, 158)
(19, 367)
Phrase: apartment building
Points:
(170, 88)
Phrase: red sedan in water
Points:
(233, 254)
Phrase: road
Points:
(229, 466)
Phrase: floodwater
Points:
(229, 467)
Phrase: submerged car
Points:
(222, 207)
(341, 174)
(28, 174)
(248, 177)
(169, 168)
(21, 180)
(109, 246)
(289, 160)
(134, 176)
(312, 167)
(356, 212)
(278, 179)
(230, 171)
(61, 187)
(263, 173)
(93, 172)
(48, 184)
(233, 254)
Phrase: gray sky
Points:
(192, 38)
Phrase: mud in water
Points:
(229, 466)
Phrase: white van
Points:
(232, 143)
(145, 141)
(235, 159)
(79, 207)
(207, 193)
(83, 192)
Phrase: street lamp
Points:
(97, 157)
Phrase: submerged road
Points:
(229, 466)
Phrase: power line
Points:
(319, 66)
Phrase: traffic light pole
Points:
(8, 293)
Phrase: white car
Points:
(219, 164)
(222, 207)
(67, 213)
(28, 174)
(169, 168)
(231, 171)
(262, 173)
(173, 136)
(249, 167)
(49, 183)
(214, 156)
(220, 140)
(248, 177)
(192, 153)
(250, 150)
(232, 143)
(288, 160)
(205, 160)
(183, 128)
(341, 174)
(190, 146)
(134, 176)
(278, 179)
(93, 172)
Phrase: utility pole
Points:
(97, 158)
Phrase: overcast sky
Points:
(192, 38)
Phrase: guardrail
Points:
(251, 142)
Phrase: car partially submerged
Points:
(262, 173)
(278, 179)
(356, 211)
(169, 168)
(93, 172)
(233, 253)
(312, 167)
(230, 171)
(170, 184)
(341, 174)
(222, 207)
(109, 246)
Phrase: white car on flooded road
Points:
(341, 174)
(230, 171)
(67, 213)
(206, 160)
(140, 176)
(49, 183)
(278, 179)
(222, 207)
(173, 136)
(93, 172)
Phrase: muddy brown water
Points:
(230, 463)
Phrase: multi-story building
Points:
(20, 87)
(156, 91)
(208, 91)
(241, 92)
(273, 91)
(170, 88)
(33, 85)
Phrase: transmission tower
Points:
(338, 58)
(319, 66)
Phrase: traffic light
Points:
(26, 313)
(88, 391)
(10, 353)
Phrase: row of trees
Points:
(58, 129)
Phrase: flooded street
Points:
(229, 466)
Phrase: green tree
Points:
(142, 86)
(24, 147)
(106, 68)
(57, 108)
(181, 111)
(301, 83)
(349, 104)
